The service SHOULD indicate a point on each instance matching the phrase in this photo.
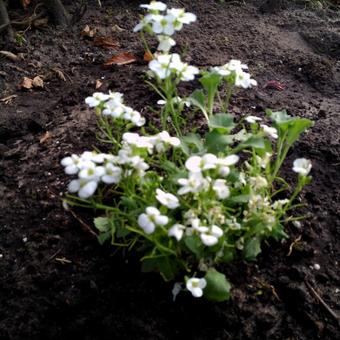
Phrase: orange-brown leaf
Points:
(106, 42)
(148, 56)
(25, 3)
(121, 59)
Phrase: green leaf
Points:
(128, 203)
(210, 82)
(102, 224)
(278, 116)
(192, 143)
(252, 248)
(194, 244)
(218, 287)
(104, 237)
(256, 142)
(296, 128)
(197, 98)
(216, 142)
(164, 264)
(222, 122)
(239, 199)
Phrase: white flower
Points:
(195, 286)
(258, 182)
(198, 164)
(270, 131)
(71, 164)
(84, 188)
(182, 16)
(152, 218)
(280, 203)
(91, 172)
(223, 164)
(112, 174)
(163, 24)
(96, 99)
(168, 200)
(302, 166)
(195, 183)
(264, 160)
(221, 189)
(211, 236)
(155, 6)
(252, 119)
(177, 231)
(161, 65)
(165, 43)
(243, 80)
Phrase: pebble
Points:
(24, 239)
(1, 256)
(316, 266)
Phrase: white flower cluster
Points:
(237, 69)
(112, 105)
(164, 25)
(197, 182)
(165, 65)
(91, 168)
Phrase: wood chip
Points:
(148, 56)
(26, 83)
(38, 82)
(88, 32)
(10, 55)
(98, 84)
(45, 138)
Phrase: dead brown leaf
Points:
(123, 58)
(88, 32)
(148, 56)
(26, 83)
(38, 82)
(106, 42)
(98, 84)
(59, 74)
(25, 3)
(10, 55)
(45, 137)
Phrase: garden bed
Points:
(57, 281)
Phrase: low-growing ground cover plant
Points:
(186, 201)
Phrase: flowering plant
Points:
(188, 202)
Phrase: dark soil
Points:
(95, 295)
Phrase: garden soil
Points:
(57, 282)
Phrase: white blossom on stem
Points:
(195, 286)
(150, 219)
(302, 166)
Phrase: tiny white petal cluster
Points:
(252, 119)
(165, 65)
(270, 131)
(236, 69)
(168, 200)
(91, 168)
(167, 23)
(195, 286)
(302, 166)
(150, 219)
(112, 105)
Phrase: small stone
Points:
(316, 266)
(24, 239)
(1, 256)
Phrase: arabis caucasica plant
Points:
(188, 202)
